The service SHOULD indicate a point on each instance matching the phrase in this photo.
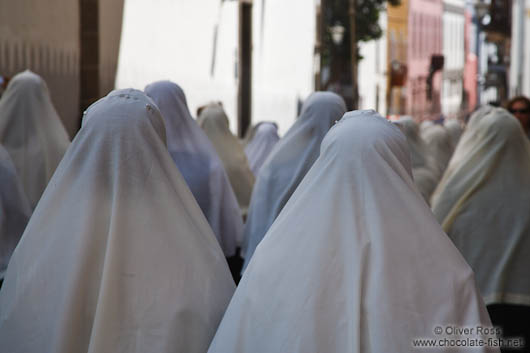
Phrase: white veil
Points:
(355, 262)
(483, 203)
(32, 132)
(199, 164)
(117, 256)
(14, 209)
(287, 165)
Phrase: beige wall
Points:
(110, 23)
(43, 36)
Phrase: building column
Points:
(89, 52)
(244, 98)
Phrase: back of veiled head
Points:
(319, 103)
(169, 97)
(365, 140)
(29, 83)
(496, 126)
(123, 112)
(213, 118)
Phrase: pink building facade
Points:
(424, 40)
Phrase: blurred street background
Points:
(429, 59)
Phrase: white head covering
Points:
(287, 165)
(14, 209)
(423, 166)
(483, 203)
(355, 262)
(439, 146)
(454, 128)
(199, 164)
(214, 122)
(32, 132)
(117, 256)
(264, 137)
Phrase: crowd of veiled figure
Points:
(352, 233)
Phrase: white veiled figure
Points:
(214, 122)
(355, 262)
(14, 209)
(483, 203)
(264, 137)
(454, 128)
(287, 165)
(439, 147)
(32, 132)
(423, 166)
(199, 164)
(117, 256)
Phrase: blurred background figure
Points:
(214, 122)
(520, 108)
(197, 160)
(14, 210)
(439, 146)
(355, 251)
(483, 204)
(287, 165)
(118, 257)
(259, 142)
(31, 132)
(424, 169)
(454, 129)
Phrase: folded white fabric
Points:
(32, 132)
(483, 203)
(287, 165)
(199, 164)
(117, 256)
(355, 262)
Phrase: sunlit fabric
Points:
(199, 164)
(32, 132)
(261, 142)
(214, 122)
(423, 165)
(287, 165)
(14, 209)
(483, 203)
(117, 256)
(355, 262)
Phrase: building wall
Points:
(43, 36)
(195, 45)
(110, 23)
(454, 24)
(397, 50)
(425, 40)
(372, 70)
(283, 59)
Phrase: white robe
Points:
(483, 203)
(287, 165)
(454, 128)
(117, 256)
(439, 146)
(14, 209)
(263, 139)
(355, 262)
(214, 122)
(423, 166)
(32, 132)
(199, 164)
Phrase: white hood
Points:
(117, 256)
